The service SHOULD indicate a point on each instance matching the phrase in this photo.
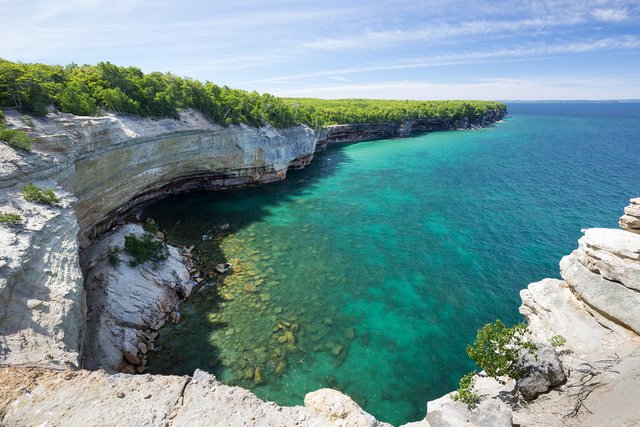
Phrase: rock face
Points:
(630, 221)
(368, 131)
(42, 299)
(113, 162)
(127, 304)
(605, 272)
(27, 397)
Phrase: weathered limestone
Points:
(42, 299)
(614, 254)
(338, 409)
(609, 298)
(127, 303)
(47, 397)
(356, 132)
(552, 309)
(630, 221)
(446, 412)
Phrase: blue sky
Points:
(430, 49)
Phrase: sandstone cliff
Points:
(366, 132)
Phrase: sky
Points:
(396, 49)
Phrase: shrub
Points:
(10, 218)
(113, 255)
(27, 121)
(145, 249)
(466, 392)
(150, 226)
(16, 139)
(558, 341)
(33, 193)
(497, 348)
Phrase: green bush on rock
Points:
(10, 218)
(557, 341)
(17, 139)
(145, 248)
(466, 393)
(33, 193)
(113, 255)
(497, 348)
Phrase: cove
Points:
(370, 270)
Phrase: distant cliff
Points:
(399, 129)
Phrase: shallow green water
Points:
(370, 270)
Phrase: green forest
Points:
(87, 89)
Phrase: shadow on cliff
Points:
(200, 219)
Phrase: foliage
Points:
(113, 255)
(322, 112)
(17, 139)
(466, 392)
(27, 121)
(497, 348)
(558, 341)
(33, 193)
(84, 89)
(150, 226)
(10, 218)
(145, 249)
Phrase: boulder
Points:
(542, 371)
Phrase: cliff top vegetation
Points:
(86, 89)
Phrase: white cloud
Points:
(611, 15)
(565, 87)
(475, 57)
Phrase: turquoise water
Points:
(370, 270)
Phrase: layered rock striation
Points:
(357, 132)
(128, 304)
(630, 221)
(42, 298)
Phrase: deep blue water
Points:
(370, 270)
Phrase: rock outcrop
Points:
(630, 221)
(357, 132)
(31, 396)
(113, 162)
(42, 298)
(605, 273)
(128, 304)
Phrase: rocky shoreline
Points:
(65, 306)
(599, 365)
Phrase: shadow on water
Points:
(199, 219)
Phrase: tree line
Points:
(87, 89)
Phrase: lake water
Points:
(370, 270)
